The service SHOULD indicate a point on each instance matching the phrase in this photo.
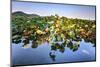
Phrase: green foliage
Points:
(52, 29)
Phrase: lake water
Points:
(41, 54)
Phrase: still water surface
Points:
(41, 54)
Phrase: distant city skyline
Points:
(46, 9)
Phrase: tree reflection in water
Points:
(52, 55)
(60, 32)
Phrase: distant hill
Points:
(19, 13)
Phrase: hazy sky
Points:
(43, 9)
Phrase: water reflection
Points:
(52, 55)
(55, 46)
(47, 52)
(57, 43)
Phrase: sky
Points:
(47, 9)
